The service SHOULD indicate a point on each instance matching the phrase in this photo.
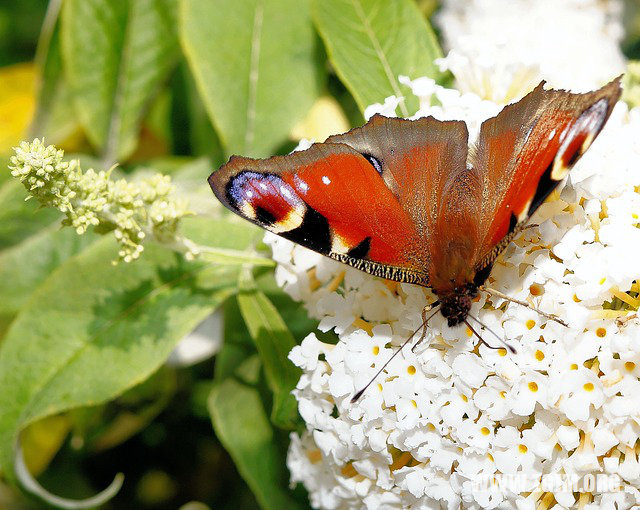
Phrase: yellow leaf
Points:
(42, 440)
(17, 103)
(325, 118)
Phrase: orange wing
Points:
(368, 198)
(524, 152)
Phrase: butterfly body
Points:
(408, 200)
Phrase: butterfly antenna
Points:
(479, 337)
(422, 326)
(507, 345)
(502, 295)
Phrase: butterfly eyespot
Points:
(375, 162)
(577, 139)
(267, 199)
(300, 184)
(431, 218)
(264, 216)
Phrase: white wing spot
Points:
(300, 184)
(552, 134)
(249, 193)
(285, 192)
(263, 186)
(326, 180)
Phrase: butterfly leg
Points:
(501, 295)
(425, 321)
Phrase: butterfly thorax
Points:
(455, 305)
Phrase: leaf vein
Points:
(380, 53)
(253, 75)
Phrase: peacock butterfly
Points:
(408, 200)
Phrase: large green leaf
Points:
(93, 330)
(20, 218)
(52, 119)
(256, 67)
(25, 266)
(116, 55)
(371, 42)
(273, 341)
(225, 241)
(242, 426)
(225, 233)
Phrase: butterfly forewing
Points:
(331, 199)
(524, 152)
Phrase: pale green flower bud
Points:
(133, 211)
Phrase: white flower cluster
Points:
(454, 412)
(132, 210)
(501, 49)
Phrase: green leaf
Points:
(201, 138)
(256, 67)
(5, 173)
(25, 266)
(293, 313)
(234, 257)
(242, 426)
(93, 330)
(225, 233)
(116, 53)
(20, 218)
(631, 84)
(371, 42)
(52, 119)
(273, 341)
(237, 344)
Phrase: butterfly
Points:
(410, 201)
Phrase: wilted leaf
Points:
(17, 104)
